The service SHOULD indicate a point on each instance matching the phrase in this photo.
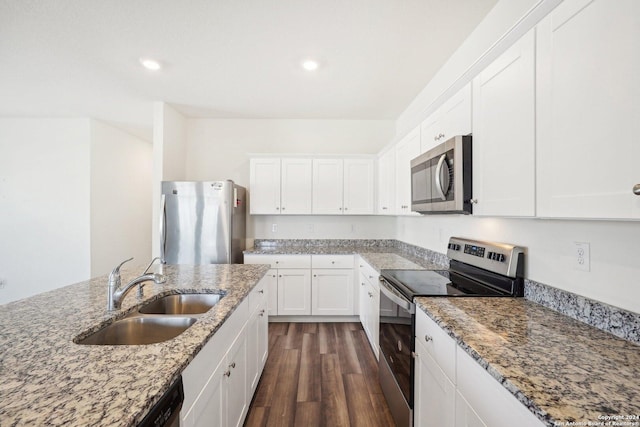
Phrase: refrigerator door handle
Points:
(163, 227)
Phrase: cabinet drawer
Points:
(332, 261)
(368, 272)
(280, 261)
(440, 346)
(258, 295)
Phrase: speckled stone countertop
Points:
(378, 256)
(563, 370)
(47, 379)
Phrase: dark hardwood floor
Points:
(319, 374)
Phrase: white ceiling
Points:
(224, 58)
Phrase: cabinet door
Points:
(588, 105)
(406, 150)
(465, 415)
(456, 114)
(235, 382)
(272, 291)
(209, 409)
(431, 131)
(264, 184)
(435, 394)
(294, 292)
(328, 186)
(387, 183)
(296, 186)
(363, 304)
(488, 398)
(332, 292)
(358, 187)
(504, 133)
(374, 318)
(263, 339)
(257, 331)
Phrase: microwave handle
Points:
(438, 180)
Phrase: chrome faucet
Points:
(116, 295)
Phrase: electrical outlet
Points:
(274, 228)
(581, 256)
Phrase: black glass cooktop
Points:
(414, 283)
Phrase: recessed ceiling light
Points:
(150, 64)
(310, 65)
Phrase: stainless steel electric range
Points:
(477, 269)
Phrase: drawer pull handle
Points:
(261, 291)
(233, 365)
(261, 313)
(427, 338)
(227, 374)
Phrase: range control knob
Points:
(490, 255)
(500, 257)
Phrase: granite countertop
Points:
(47, 379)
(379, 257)
(563, 370)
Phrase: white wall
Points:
(220, 149)
(169, 154)
(121, 167)
(615, 270)
(44, 205)
(614, 256)
(323, 227)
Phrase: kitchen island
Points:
(47, 379)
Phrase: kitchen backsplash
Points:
(619, 322)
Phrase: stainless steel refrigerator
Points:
(202, 222)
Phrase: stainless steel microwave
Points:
(441, 178)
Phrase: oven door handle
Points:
(402, 302)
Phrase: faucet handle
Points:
(114, 276)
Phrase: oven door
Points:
(396, 370)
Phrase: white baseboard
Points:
(314, 319)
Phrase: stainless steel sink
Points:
(137, 330)
(182, 304)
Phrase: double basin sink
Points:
(157, 321)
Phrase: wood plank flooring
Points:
(319, 375)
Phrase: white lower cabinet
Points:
(452, 389)
(332, 292)
(435, 394)
(294, 292)
(369, 297)
(488, 400)
(465, 415)
(304, 285)
(220, 381)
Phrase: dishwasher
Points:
(166, 413)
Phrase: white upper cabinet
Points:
(328, 186)
(588, 110)
(343, 186)
(387, 183)
(264, 185)
(296, 186)
(406, 150)
(280, 186)
(359, 191)
(504, 133)
(451, 119)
